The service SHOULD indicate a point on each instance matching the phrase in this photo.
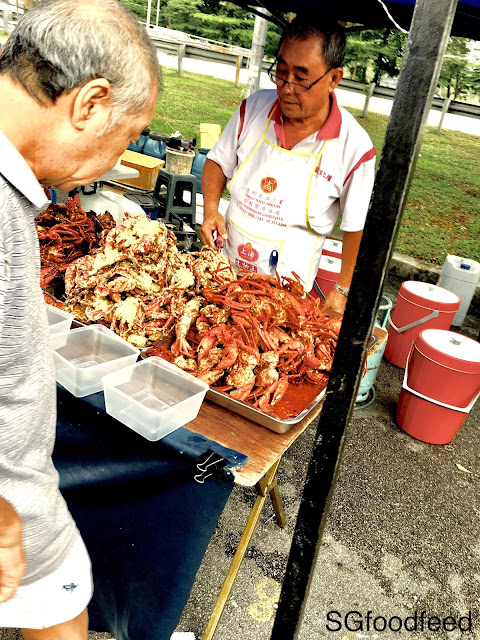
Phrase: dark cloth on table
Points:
(145, 521)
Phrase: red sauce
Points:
(297, 398)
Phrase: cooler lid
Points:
(450, 349)
(430, 295)
(330, 264)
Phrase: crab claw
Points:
(280, 390)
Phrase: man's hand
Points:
(335, 301)
(12, 557)
(212, 223)
(213, 184)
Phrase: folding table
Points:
(145, 520)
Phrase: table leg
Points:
(265, 487)
(277, 505)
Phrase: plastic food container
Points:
(153, 397)
(82, 356)
(58, 320)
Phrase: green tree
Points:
(379, 50)
(362, 48)
(212, 19)
(233, 26)
(227, 22)
(180, 15)
(455, 69)
(472, 80)
(138, 7)
(389, 58)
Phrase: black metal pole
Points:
(429, 32)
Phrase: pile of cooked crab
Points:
(66, 232)
(248, 335)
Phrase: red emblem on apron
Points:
(247, 252)
(268, 185)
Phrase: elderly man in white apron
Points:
(292, 159)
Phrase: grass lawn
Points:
(442, 213)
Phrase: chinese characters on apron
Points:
(267, 220)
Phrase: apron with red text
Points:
(268, 226)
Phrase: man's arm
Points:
(213, 184)
(351, 243)
(12, 557)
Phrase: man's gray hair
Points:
(328, 31)
(59, 45)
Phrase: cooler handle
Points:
(386, 307)
(430, 316)
(420, 395)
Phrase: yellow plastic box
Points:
(209, 134)
(147, 166)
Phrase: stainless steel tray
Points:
(255, 415)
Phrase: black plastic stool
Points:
(169, 193)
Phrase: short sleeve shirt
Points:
(28, 479)
(347, 165)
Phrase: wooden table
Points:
(262, 446)
(264, 449)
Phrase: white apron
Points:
(267, 220)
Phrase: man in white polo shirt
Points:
(292, 158)
(73, 96)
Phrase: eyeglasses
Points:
(296, 87)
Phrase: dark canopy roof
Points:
(372, 15)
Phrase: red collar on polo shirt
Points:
(330, 129)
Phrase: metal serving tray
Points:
(255, 415)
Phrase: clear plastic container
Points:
(153, 397)
(83, 356)
(58, 320)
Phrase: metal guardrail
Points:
(199, 48)
(202, 49)
(177, 37)
(200, 52)
(456, 107)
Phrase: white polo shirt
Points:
(347, 166)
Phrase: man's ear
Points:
(91, 105)
(336, 76)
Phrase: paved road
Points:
(345, 98)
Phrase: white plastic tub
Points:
(83, 356)
(58, 320)
(461, 276)
(153, 397)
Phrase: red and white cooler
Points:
(440, 385)
(327, 274)
(332, 248)
(420, 305)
